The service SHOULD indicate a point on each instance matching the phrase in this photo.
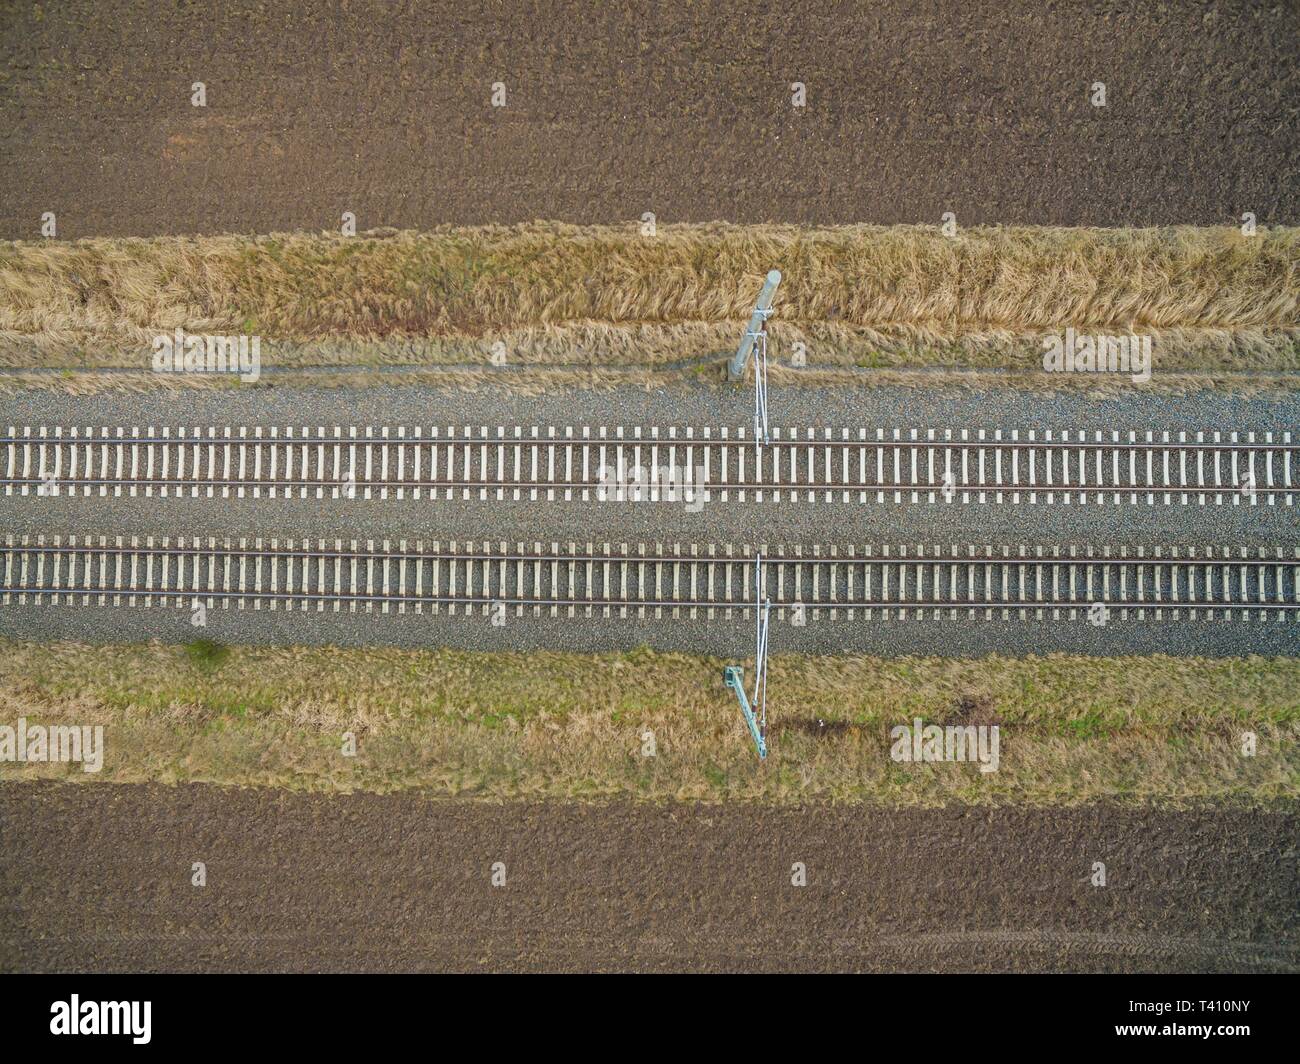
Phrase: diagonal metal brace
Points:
(734, 677)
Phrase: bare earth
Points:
(384, 109)
(98, 877)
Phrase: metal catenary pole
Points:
(736, 367)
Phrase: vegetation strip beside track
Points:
(556, 725)
(608, 297)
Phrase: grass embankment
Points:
(553, 295)
(549, 725)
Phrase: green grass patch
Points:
(1158, 730)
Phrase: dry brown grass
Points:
(541, 380)
(1159, 730)
(555, 294)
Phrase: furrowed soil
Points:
(395, 883)
(614, 110)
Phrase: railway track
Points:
(881, 581)
(653, 465)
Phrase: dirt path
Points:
(98, 877)
(612, 110)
